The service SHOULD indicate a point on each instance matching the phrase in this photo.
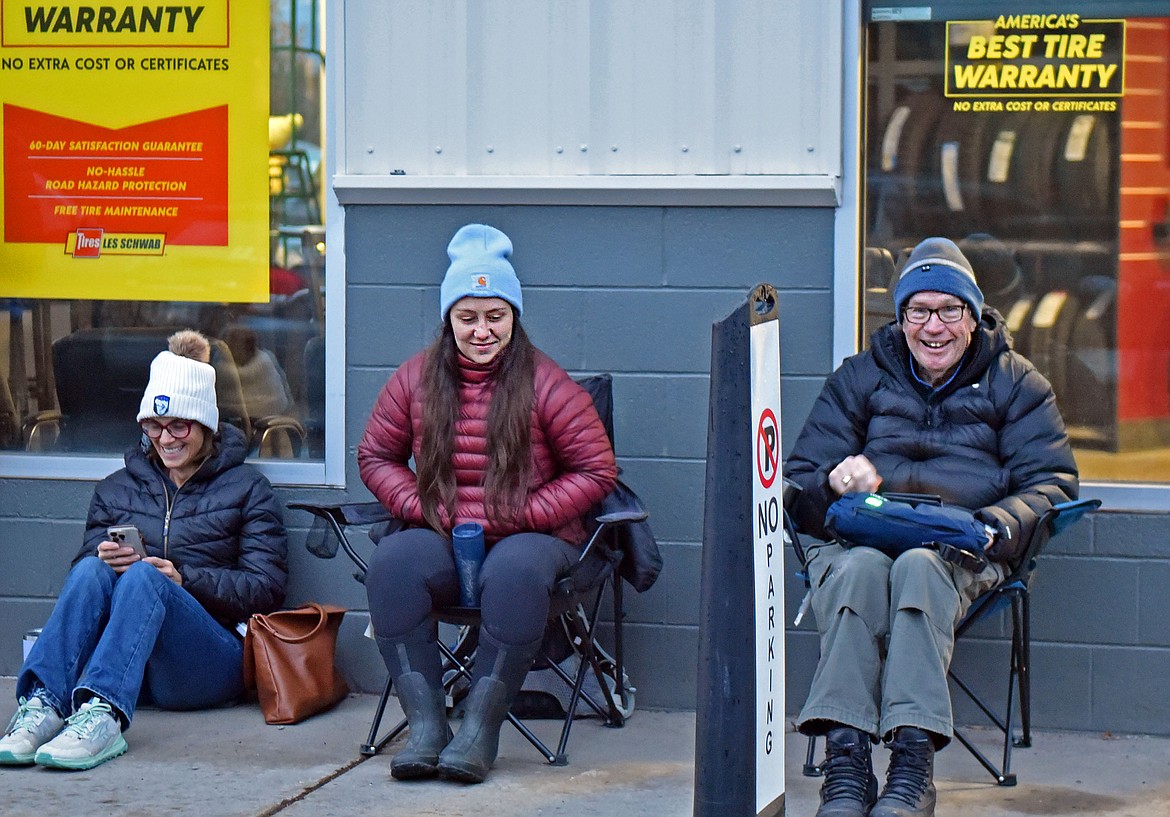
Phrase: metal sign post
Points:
(739, 736)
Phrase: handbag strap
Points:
(262, 621)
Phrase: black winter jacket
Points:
(991, 440)
(223, 529)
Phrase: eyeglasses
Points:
(179, 429)
(951, 313)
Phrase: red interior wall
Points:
(1143, 315)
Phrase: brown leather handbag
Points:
(288, 661)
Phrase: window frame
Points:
(849, 274)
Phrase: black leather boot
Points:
(850, 786)
(499, 672)
(909, 789)
(415, 665)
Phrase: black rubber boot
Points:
(850, 786)
(499, 672)
(909, 789)
(415, 665)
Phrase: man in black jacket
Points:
(938, 404)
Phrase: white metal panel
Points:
(553, 88)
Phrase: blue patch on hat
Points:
(162, 404)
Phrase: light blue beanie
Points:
(480, 268)
(938, 265)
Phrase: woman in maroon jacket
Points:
(501, 436)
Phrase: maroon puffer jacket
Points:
(573, 464)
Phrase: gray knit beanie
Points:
(938, 265)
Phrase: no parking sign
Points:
(768, 549)
(739, 725)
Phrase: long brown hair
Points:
(509, 432)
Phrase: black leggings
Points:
(413, 572)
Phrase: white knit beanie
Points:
(180, 387)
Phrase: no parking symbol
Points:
(767, 448)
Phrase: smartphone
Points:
(127, 535)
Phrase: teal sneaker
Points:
(34, 724)
(92, 735)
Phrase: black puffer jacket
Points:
(991, 440)
(223, 529)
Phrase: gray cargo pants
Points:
(887, 631)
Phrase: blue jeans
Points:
(112, 635)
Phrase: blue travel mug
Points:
(467, 543)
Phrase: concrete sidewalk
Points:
(229, 763)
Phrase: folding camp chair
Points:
(574, 608)
(1012, 592)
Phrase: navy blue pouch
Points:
(894, 525)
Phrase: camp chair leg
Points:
(1002, 778)
(619, 654)
(593, 656)
(1002, 774)
(1009, 730)
(373, 745)
(553, 759)
(590, 661)
(459, 657)
(1024, 671)
(572, 682)
(811, 767)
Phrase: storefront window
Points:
(1041, 144)
(72, 370)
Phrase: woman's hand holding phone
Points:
(123, 548)
(117, 556)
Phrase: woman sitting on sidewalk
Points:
(162, 625)
(500, 436)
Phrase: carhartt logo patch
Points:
(481, 282)
(162, 404)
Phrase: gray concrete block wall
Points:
(41, 524)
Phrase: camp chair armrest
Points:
(1065, 513)
(336, 518)
(622, 516)
(347, 513)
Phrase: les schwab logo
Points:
(91, 242)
